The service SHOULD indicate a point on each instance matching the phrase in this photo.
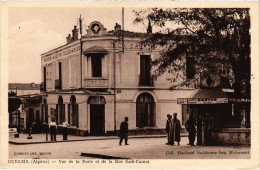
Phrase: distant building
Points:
(24, 88)
(24, 115)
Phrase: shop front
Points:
(215, 118)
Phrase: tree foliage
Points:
(13, 102)
(216, 38)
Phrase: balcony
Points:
(145, 80)
(96, 82)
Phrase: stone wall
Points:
(232, 136)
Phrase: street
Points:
(139, 148)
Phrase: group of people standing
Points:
(53, 129)
(204, 124)
(173, 128)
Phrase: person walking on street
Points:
(53, 127)
(175, 130)
(124, 131)
(191, 128)
(168, 122)
(65, 125)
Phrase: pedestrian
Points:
(208, 125)
(191, 128)
(208, 128)
(175, 130)
(168, 122)
(65, 126)
(53, 127)
(124, 131)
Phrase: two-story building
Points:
(97, 80)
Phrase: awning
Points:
(205, 96)
(95, 50)
(210, 93)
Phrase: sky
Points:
(35, 30)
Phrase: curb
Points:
(92, 155)
(77, 140)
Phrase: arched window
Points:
(60, 111)
(96, 100)
(73, 116)
(145, 110)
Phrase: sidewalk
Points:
(41, 138)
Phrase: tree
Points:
(213, 39)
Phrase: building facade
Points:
(97, 80)
(26, 97)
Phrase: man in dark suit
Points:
(191, 128)
(168, 122)
(124, 131)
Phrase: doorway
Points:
(97, 119)
(97, 115)
(145, 110)
(30, 117)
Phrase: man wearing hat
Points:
(124, 131)
(168, 122)
(175, 130)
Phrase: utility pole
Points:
(80, 31)
(123, 43)
(114, 77)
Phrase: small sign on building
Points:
(202, 100)
(13, 130)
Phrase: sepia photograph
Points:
(128, 84)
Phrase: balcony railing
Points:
(96, 82)
(146, 80)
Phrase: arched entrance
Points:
(97, 115)
(73, 117)
(145, 110)
(60, 111)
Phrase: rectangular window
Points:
(44, 78)
(60, 75)
(145, 70)
(96, 61)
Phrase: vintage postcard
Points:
(124, 85)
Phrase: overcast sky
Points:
(33, 31)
